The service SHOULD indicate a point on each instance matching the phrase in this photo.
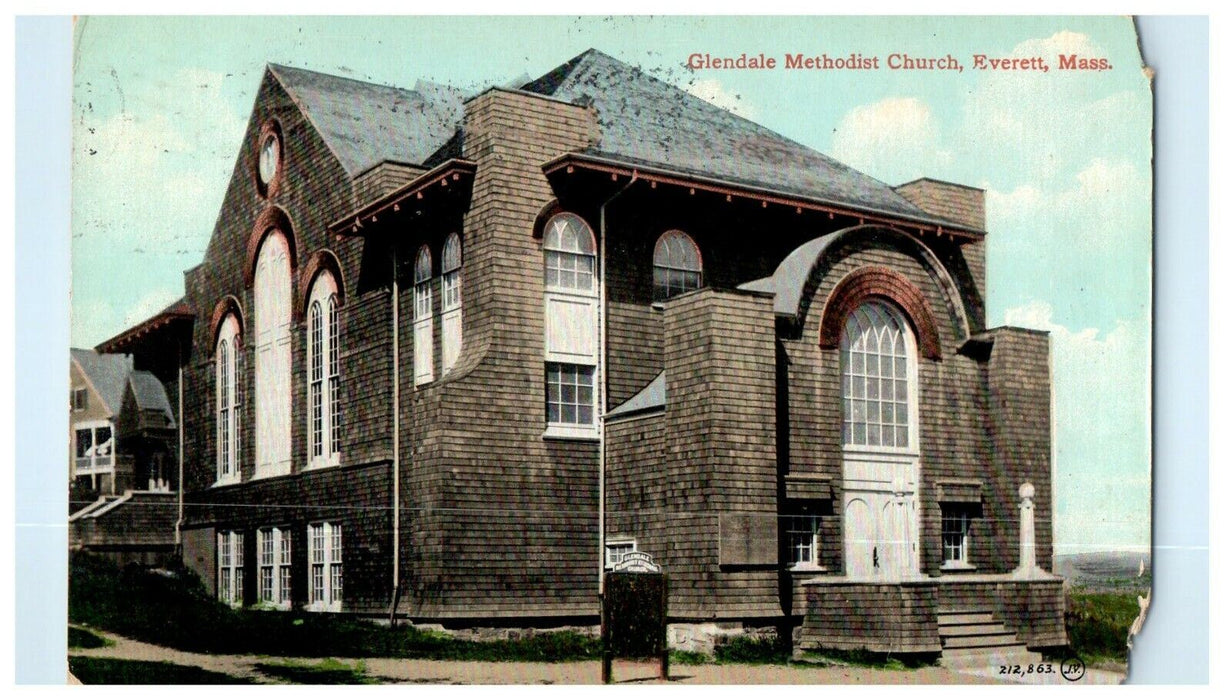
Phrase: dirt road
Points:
(567, 673)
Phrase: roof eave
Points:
(451, 171)
(667, 176)
(158, 322)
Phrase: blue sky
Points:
(160, 105)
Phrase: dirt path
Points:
(565, 673)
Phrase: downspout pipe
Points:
(601, 381)
(397, 408)
(179, 483)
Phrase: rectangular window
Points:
(325, 567)
(955, 525)
(617, 549)
(80, 399)
(95, 448)
(803, 540)
(284, 568)
(570, 394)
(231, 567)
(274, 551)
(569, 270)
(265, 548)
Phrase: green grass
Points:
(96, 671)
(79, 638)
(327, 672)
(176, 611)
(1098, 624)
(752, 650)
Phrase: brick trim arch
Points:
(545, 215)
(271, 128)
(323, 260)
(226, 306)
(883, 283)
(273, 218)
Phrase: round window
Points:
(267, 163)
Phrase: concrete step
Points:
(971, 630)
(965, 618)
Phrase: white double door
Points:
(881, 521)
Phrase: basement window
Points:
(617, 548)
(955, 536)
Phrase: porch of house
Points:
(963, 618)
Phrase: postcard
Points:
(609, 349)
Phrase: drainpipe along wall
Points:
(601, 381)
(397, 408)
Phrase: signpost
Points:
(634, 623)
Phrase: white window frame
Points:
(227, 402)
(675, 252)
(851, 447)
(451, 302)
(324, 385)
(79, 399)
(424, 371)
(272, 293)
(571, 334)
(325, 560)
(804, 541)
(949, 515)
(615, 548)
(92, 463)
(231, 567)
(274, 568)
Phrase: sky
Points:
(160, 106)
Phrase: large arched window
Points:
(272, 328)
(451, 301)
(324, 402)
(423, 316)
(227, 397)
(878, 378)
(677, 265)
(570, 326)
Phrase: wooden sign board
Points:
(635, 616)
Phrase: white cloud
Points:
(1106, 203)
(712, 91)
(1101, 404)
(895, 140)
(148, 305)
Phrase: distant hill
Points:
(1106, 570)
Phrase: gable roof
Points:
(365, 124)
(107, 373)
(643, 120)
(150, 395)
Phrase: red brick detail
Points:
(270, 128)
(273, 218)
(549, 210)
(226, 305)
(883, 283)
(323, 260)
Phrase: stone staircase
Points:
(976, 640)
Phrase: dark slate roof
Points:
(643, 120)
(651, 397)
(150, 395)
(365, 124)
(107, 373)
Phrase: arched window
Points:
(878, 378)
(570, 327)
(324, 403)
(423, 316)
(227, 396)
(451, 301)
(272, 328)
(677, 265)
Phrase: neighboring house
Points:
(122, 441)
(436, 340)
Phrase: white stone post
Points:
(1027, 568)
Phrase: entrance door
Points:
(881, 521)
